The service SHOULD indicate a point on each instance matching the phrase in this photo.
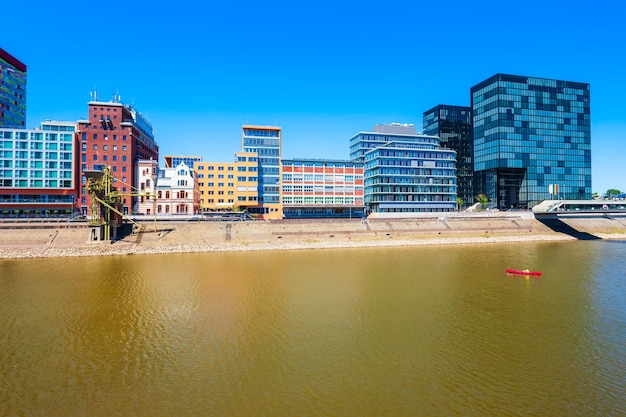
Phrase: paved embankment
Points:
(69, 239)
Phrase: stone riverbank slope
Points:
(58, 239)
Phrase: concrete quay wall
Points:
(70, 239)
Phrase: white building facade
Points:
(147, 171)
(177, 191)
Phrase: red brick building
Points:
(117, 136)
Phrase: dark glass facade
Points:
(12, 91)
(531, 134)
(453, 125)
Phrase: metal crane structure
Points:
(106, 205)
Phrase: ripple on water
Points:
(342, 332)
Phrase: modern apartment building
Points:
(229, 186)
(453, 125)
(118, 136)
(265, 141)
(405, 172)
(38, 170)
(531, 135)
(12, 91)
(322, 188)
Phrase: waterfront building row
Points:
(520, 138)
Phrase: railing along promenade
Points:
(561, 208)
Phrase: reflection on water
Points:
(367, 332)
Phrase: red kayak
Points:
(522, 272)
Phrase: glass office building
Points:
(265, 141)
(531, 136)
(405, 172)
(453, 125)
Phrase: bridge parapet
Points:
(580, 206)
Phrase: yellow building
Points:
(229, 186)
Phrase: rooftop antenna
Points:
(94, 94)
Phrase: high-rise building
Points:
(405, 172)
(531, 136)
(265, 141)
(117, 136)
(453, 125)
(322, 188)
(12, 91)
(38, 170)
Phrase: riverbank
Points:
(67, 239)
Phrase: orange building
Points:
(229, 186)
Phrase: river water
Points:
(437, 331)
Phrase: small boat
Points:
(522, 272)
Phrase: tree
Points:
(612, 191)
(459, 203)
(482, 199)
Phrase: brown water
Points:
(438, 331)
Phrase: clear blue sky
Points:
(322, 70)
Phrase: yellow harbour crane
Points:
(106, 204)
